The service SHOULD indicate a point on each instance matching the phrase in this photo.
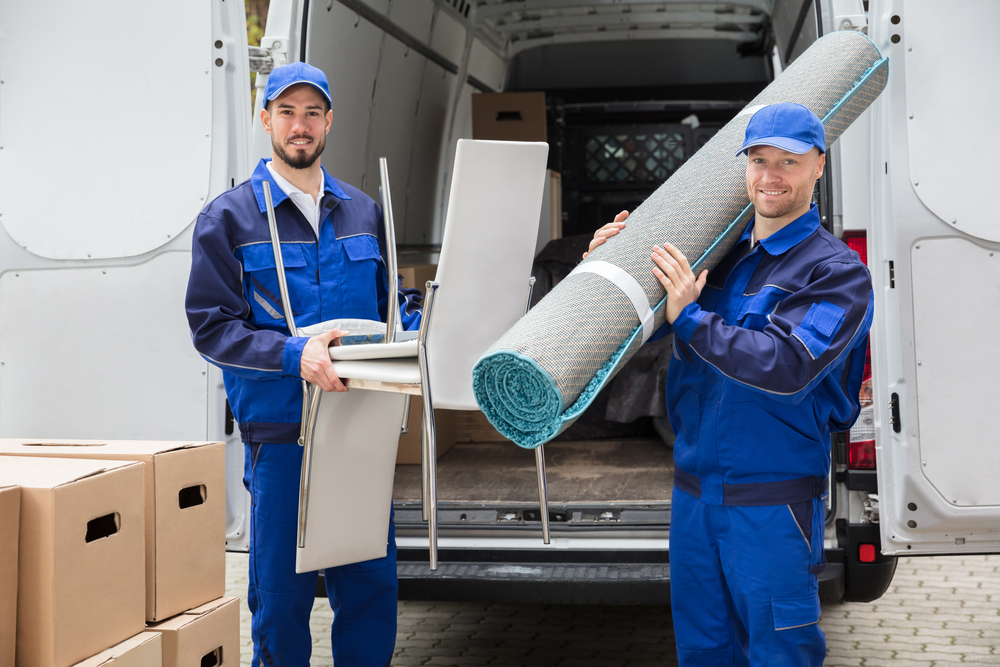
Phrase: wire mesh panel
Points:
(542, 374)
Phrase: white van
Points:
(131, 119)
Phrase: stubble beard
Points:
(775, 210)
(300, 159)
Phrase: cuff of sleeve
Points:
(291, 357)
(688, 321)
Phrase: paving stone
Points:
(938, 611)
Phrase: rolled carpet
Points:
(544, 372)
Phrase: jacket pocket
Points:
(795, 612)
(819, 327)
(263, 291)
(361, 274)
(762, 443)
(755, 309)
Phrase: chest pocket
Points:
(754, 310)
(360, 275)
(260, 281)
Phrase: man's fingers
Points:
(621, 217)
(678, 256)
(702, 279)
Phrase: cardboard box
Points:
(10, 513)
(81, 580)
(472, 426)
(206, 636)
(143, 650)
(416, 275)
(509, 116)
(185, 513)
(409, 443)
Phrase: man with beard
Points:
(769, 350)
(331, 236)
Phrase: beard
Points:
(773, 210)
(299, 159)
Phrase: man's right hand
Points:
(316, 366)
(606, 232)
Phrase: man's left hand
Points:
(675, 274)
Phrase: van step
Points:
(538, 583)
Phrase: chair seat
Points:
(400, 371)
(374, 351)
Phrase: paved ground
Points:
(938, 611)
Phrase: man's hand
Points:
(606, 232)
(316, 366)
(675, 274)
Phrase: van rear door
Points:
(118, 124)
(935, 259)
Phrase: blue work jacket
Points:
(766, 365)
(233, 305)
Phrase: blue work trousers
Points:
(362, 595)
(743, 587)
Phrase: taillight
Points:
(861, 437)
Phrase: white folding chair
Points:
(480, 291)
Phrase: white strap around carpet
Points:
(629, 286)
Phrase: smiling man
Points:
(769, 350)
(332, 242)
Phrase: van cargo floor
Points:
(633, 470)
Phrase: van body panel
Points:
(936, 287)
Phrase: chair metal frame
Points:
(312, 394)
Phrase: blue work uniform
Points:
(237, 322)
(766, 365)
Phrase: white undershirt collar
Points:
(302, 200)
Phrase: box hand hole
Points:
(191, 496)
(103, 526)
(509, 115)
(212, 658)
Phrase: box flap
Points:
(10, 511)
(55, 446)
(191, 615)
(50, 473)
(143, 650)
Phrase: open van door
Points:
(118, 124)
(935, 260)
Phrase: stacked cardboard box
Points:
(175, 517)
(80, 557)
(206, 636)
(10, 513)
(185, 513)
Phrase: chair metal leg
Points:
(543, 491)
(430, 504)
(424, 473)
(314, 394)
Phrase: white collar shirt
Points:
(303, 201)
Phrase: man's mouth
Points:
(772, 193)
(300, 142)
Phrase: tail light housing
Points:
(861, 437)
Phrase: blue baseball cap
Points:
(282, 77)
(788, 126)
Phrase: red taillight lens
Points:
(861, 455)
(866, 553)
(858, 242)
(861, 437)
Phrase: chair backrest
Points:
(485, 263)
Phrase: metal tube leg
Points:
(424, 472)
(430, 452)
(543, 491)
(315, 394)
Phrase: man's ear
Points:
(329, 120)
(265, 119)
(820, 164)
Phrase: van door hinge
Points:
(849, 15)
(272, 52)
